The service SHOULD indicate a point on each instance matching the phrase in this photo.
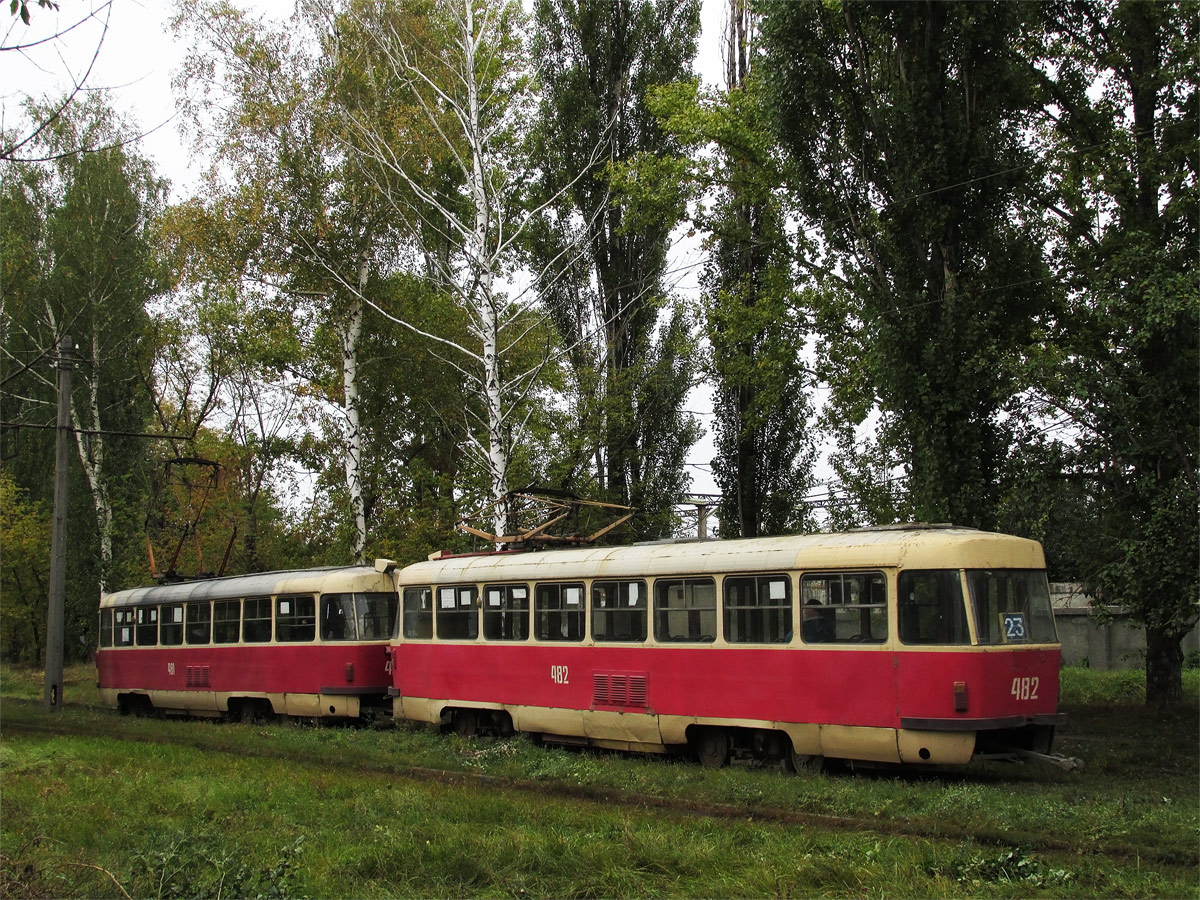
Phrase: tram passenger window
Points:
(1012, 606)
(295, 618)
(559, 609)
(338, 622)
(106, 632)
(457, 616)
(619, 611)
(685, 609)
(418, 613)
(171, 629)
(758, 610)
(227, 621)
(123, 627)
(256, 620)
(506, 612)
(198, 618)
(376, 612)
(843, 607)
(931, 608)
(147, 626)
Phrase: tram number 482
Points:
(1025, 688)
(559, 675)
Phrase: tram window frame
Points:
(1011, 606)
(754, 616)
(371, 625)
(456, 616)
(339, 619)
(295, 618)
(690, 606)
(931, 608)
(123, 627)
(506, 612)
(418, 613)
(849, 607)
(256, 620)
(617, 617)
(560, 611)
(170, 625)
(197, 622)
(145, 630)
(227, 628)
(106, 628)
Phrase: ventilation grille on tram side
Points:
(618, 689)
(197, 677)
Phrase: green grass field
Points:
(94, 805)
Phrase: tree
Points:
(630, 343)
(460, 67)
(755, 318)
(905, 122)
(1123, 367)
(25, 534)
(89, 269)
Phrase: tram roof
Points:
(259, 584)
(913, 547)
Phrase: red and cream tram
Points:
(309, 643)
(892, 645)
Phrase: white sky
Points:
(136, 62)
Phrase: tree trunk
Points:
(351, 335)
(1164, 667)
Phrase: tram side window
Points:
(506, 612)
(1012, 606)
(619, 610)
(457, 616)
(839, 607)
(106, 632)
(123, 627)
(685, 609)
(227, 621)
(198, 618)
(295, 618)
(560, 612)
(171, 629)
(256, 620)
(931, 608)
(147, 626)
(338, 622)
(758, 610)
(376, 611)
(418, 613)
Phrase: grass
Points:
(190, 808)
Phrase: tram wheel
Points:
(805, 764)
(712, 747)
(466, 723)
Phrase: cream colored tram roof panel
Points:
(300, 581)
(868, 549)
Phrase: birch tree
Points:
(88, 268)
(461, 67)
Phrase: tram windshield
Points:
(1011, 606)
(369, 616)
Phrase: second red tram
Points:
(926, 645)
(307, 643)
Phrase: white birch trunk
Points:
(91, 455)
(351, 335)
(482, 271)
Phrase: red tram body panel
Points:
(939, 645)
(309, 643)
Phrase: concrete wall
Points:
(1118, 645)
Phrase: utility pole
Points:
(56, 614)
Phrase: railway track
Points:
(111, 726)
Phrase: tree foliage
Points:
(905, 122)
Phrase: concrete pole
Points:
(56, 613)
